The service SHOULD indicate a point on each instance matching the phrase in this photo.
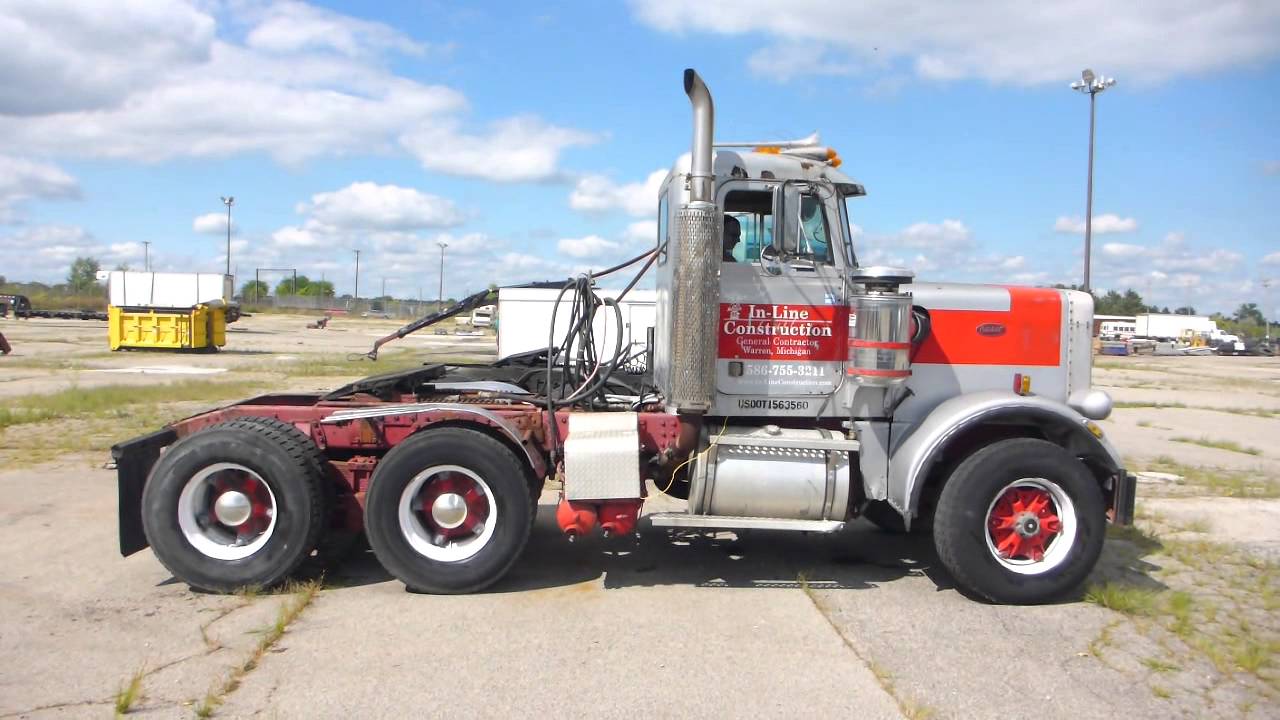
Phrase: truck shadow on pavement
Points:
(859, 557)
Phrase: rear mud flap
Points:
(134, 460)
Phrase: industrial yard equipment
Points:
(791, 390)
(168, 311)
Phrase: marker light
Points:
(1022, 384)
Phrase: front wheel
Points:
(449, 510)
(1020, 521)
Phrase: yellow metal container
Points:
(201, 327)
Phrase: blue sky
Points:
(531, 137)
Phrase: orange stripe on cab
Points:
(1028, 333)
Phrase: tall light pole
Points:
(228, 201)
(146, 256)
(442, 245)
(356, 294)
(1092, 85)
(1267, 310)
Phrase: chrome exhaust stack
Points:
(695, 286)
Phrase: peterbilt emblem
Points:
(991, 329)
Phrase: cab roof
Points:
(752, 165)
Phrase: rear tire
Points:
(449, 510)
(1020, 521)
(266, 471)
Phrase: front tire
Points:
(449, 511)
(1020, 521)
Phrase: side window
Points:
(752, 210)
(662, 227)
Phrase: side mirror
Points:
(770, 261)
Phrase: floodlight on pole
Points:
(442, 245)
(1091, 84)
(228, 200)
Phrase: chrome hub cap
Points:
(227, 511)
(232, 508)
(449, 510)
(447, 513)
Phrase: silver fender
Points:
(910, 462)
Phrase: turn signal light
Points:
(1022, 384)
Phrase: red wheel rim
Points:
(1023, 522)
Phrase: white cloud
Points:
(1102, 224)
(151, 81)
(586, 247)
(1000, 42)
(214, 223)
(518, 149)
(1272, 259)
(69, 55)
(1016, 262)
(641, 232)
(597, 193)
(1122, 250)
(1218, 260)
(22, 180)
(45, 252)
(370, 206)
(288, 27)
(948, 234)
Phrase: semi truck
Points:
(790, 388)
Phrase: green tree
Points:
(317, 288)
(254, 289)
(83, 276)
(1185, 310)
(1249, 314)
(286, 286)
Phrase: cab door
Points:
(783, 324)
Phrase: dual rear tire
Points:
(243, 503)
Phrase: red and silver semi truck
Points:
(792, 389)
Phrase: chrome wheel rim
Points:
(447, 513)
(227, 511)
(1030, 526)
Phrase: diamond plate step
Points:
(725, 522)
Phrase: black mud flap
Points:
(1123, 496)
(134, 460)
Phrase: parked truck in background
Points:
(792, 389)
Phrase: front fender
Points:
(911, 461)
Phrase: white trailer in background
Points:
(524, 321)
(1173, 327)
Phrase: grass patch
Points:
(1160, 666)
(130, 692)
(1214, 481)
(1160, 692)
(1122, 598)
(113, 401)
(300, 596)
(1228, 445)
(1129, 405)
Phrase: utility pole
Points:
(356, 294)
(146, 257)
(229, 200)
(442, 245)
(384, 289)
(1091, 84)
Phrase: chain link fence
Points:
(398, 309)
